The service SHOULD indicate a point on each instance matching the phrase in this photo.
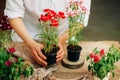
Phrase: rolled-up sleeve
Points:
(14, 8)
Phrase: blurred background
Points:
(104, 23)
(2, 6)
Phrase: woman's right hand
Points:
(36, 48)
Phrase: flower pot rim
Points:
(80, 48)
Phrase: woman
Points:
(23, 17)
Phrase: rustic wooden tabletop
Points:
(63, 73)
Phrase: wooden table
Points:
(65, 73)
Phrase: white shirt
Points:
(30, 11)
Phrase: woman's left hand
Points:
(60, 53)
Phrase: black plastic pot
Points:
(73, 53)
(51, 57)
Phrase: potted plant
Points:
(76, 14)
(11, 67)
(48, 27)
(102, 64)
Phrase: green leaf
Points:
(28, 71)
(89, 68)
(113, 74)
(87, 58)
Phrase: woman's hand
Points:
(19, 27)
(62, 41)
(36, 53)
(60, 53)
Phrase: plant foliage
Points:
(101, 64)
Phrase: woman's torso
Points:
(33, 9)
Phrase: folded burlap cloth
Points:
(42, 73)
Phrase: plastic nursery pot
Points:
(73, 53)
(51, 56)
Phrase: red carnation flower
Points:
(61, 15)
(53, 13)
(97, 58)
(44, 18)
(8, 63)
(102, 53)
(54, 22)
(46, 10)
(12, 50)
(92, 55)
(50, 12)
